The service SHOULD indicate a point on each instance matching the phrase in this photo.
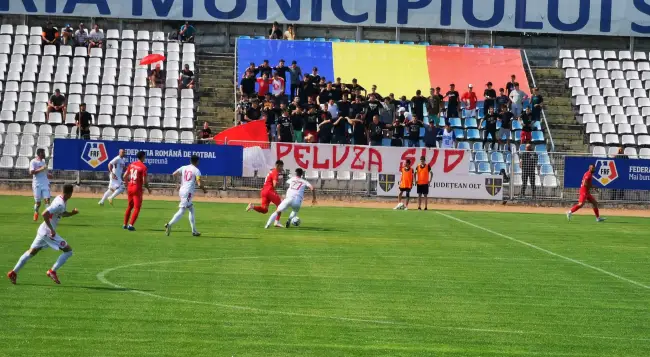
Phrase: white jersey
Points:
(40, 179)
(189, 175)
(448, 139)
(297, 187)
(119, 164)
(56, 209)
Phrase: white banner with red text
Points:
(475, 187)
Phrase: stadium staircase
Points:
(216, 89)
(568, 136)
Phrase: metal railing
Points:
(532, 77)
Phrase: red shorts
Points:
(586, 196)
(306, 133)
(270, 196)
(526, 136)
(135, 198)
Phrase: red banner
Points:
(252, 132)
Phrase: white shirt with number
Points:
(297, 188)
(189, 176)
(119, 164)
(56, 209)
(40, 179)
(448, 139)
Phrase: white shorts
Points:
(294, 202)
(41, 192)
(504, 134)
(115, 184)
(55, 243)
(186, 199)
(471, 113)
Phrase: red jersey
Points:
(264, 86)
(136, 173)
(274, 175)
(586, 181)
(472, 100)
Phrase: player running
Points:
(115, 185)
(190, 178)
(46, 236)
(295, 195)
(268, 193)
(40, 181)
(136, 176)
(586, 195)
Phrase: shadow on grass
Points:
(317, 229)
(96, 288)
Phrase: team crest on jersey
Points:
(493, 186)
(94, 154)
(386, 182)
(605, 172)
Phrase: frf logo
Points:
(605, 172)
(94, 154)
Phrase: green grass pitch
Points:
(348, 282)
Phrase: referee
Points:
(424, 177)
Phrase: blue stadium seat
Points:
(364, 41)
(421, 132)
(392, 42)
(460, 134)
(385, 142)
(468, 46)
(350, 41)
(496, 168)
(546, 170)
(522, 147)
(455, 123)
(538, 137)
(518, 135)
(481, 156)
(482, 127)
(508, 157)
(260, 37)
(471, 123)
(408, 43)
(378, 41)
(463, 145)
(334, 39)
(537, 126)
(543, 158)
(540, 148)
(496, 157)
(472, 167)
(484, 46)
(516, 125)
(473, 134)
(477, 146)
(245, 37)
(454, 45)
(483, 168)
(517, 169)
(306, 39)
(319, 39)
(498, 47)
(424, 43)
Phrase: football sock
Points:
(278, 217)
(272, 218)
(293, 214)
(596, 212)
(261, 209)
(106, 194)
(575, 208)
(36, 206)
(23, 259)
(117, 192)
(192, 222)
(62, 259)
(177, 216)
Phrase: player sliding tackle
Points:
(115, 185)
(190, 178)
(268, 193)
(46, 236)
(294, 197)
(585, 195)
(41, 181)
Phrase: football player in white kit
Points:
(46, 236)
(295, 195)
(190, 178)
(115, 185)
(41, 180)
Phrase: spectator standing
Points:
(448, 137)
(265, 68)
(83, 120)
(186, 33)
(333, 109)
(417, 103)
(344, 106)
(502, 99)
(340, 130)
(453, 102)
(186, 79)
(96, 38)
(296, 74)
(619, 194)
(56, 103)
(510, 86)
(373, 91)
(156, 77)
(205, 134)
(359, 132)
(263, 84)
(398, 130)
(434, 105)
(81, 36)
(431, 135)
(376, 131)
(253, 113)
(325, 128)
(526, 121)
(490, 120)
(517, 97)
(373, 107)
(242, 108)
(470, 99)
(290, 33)
(310, 132)
(276, 32)
(253, 69)
(338, 89)
(282, 70)
(298, 119)
(357, 108)
(285, 128)
(414, 126)
(505, 117)
(387, 113)
(314, 77)
(490, 98)
(528, 162)
(67, 35)
(354, 87)
(306, 89)
(49, 35)
(537, 101)
(326, 94)
(278, 87)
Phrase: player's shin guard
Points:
(191, 216)
(117, 192)
(62, 259)
(261, 209)
(36, 207)
(596, 212)
(292, 214)
(575, 208)
(23, 259)
(177, 216)
(273, 217)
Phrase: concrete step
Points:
(548, 73)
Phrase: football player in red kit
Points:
(585, 195)
(268, 194)
(136, 176)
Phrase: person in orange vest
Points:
(405, 186)
(423, 176)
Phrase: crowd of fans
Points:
(316, 110)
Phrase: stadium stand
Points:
(609, 91)
(109, 80)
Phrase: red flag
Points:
(250, 134)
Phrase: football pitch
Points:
(348, 282)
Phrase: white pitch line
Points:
(530, 245)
